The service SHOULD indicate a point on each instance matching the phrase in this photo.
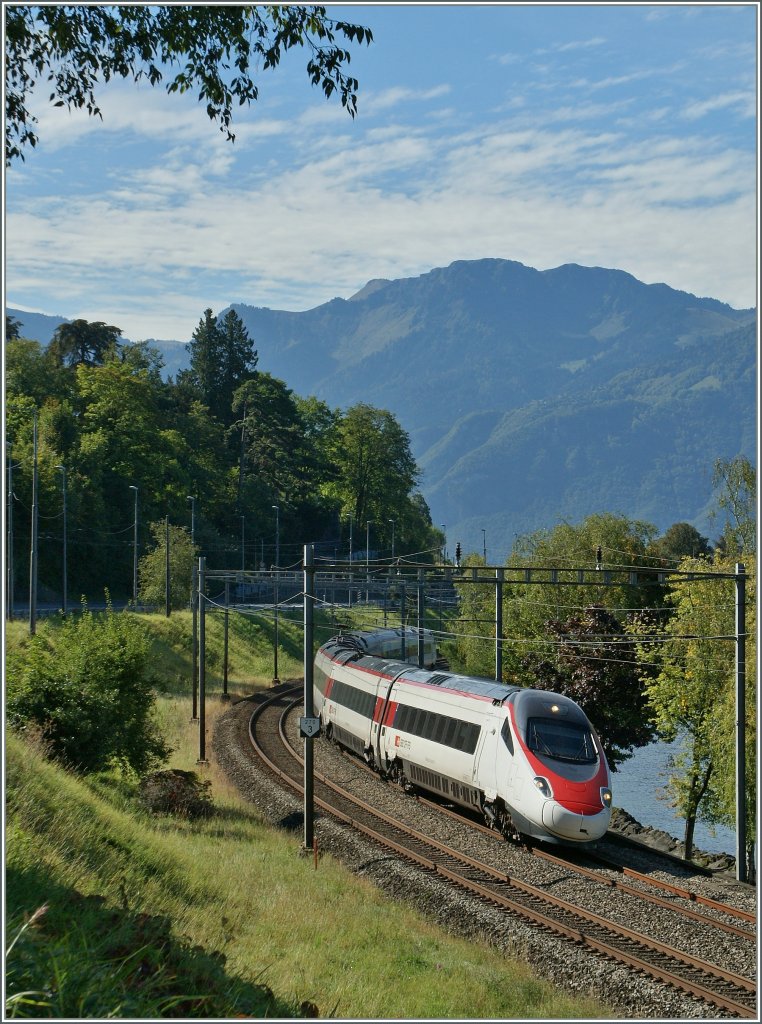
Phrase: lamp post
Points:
(243, 548)
(135, 550)
(192, 500)
(350, 557)
(34, 539)
(484, 544)
(65, 584)
(10, 529)
(392, 522)
(444, 542)
(367, 557)
(276, 509)
(194, 608)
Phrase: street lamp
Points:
(367, 557)
(192, 500)
(392, 522)
(444, 542)
(194, 608)
(135, 550)
(350, 558)
(276, 509)
(65, 586)
(484, 544)
(243, 548)
(10, 529)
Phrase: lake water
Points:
(636, 787)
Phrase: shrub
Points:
(176, 792)
(88, 694)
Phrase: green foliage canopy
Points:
(152, 567)
(218, 49)
(90, 696)
(692, 696)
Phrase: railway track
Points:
(728, 990)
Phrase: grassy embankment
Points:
(156, 916)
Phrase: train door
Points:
(484, 775)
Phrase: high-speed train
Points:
(527, 760)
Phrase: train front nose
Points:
(581, 825)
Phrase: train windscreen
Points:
(564, 741)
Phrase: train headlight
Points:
(544, 786)
(606, 796)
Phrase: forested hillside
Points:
(535, 396)
(261, 466)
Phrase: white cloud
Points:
(311, 205)
(744, 102)
(185, 233)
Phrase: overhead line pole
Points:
(309, 725)
(740, 608)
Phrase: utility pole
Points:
(194, 608)
(65, 583)
(33, 548)
(10, 530)
(350, 559)
(167, 581)
(309, 726)
(276, 680)
(740, 609)
(202, 661)
(135, 551)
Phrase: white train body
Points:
(527, 760)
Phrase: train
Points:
(526, 761)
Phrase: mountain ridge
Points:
(534, 396)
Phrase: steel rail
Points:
(493, 881)
(570, 865)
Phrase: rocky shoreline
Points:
(624, 824)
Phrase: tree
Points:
(376, 469)
(80, 342)
(205, 350)
(90, 695)
(594, 663)
(691, 696)
(152, 567)
(679, 541)
(735, 483)
(219, 49)
(238, 361)
(222, 358)
(12, 328)
(567, 547)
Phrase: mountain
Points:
(533, 396)
(36, 326)
(40, 327)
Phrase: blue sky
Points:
(606, 135)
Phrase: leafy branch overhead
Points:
(213, 50)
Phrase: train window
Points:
(563, 741)
(507, 735)
(353, 699)
(466, 737)
(440, 729)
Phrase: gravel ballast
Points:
(570, 966)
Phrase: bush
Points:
(88, 695)
(176, 792)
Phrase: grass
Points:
(153, 916)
